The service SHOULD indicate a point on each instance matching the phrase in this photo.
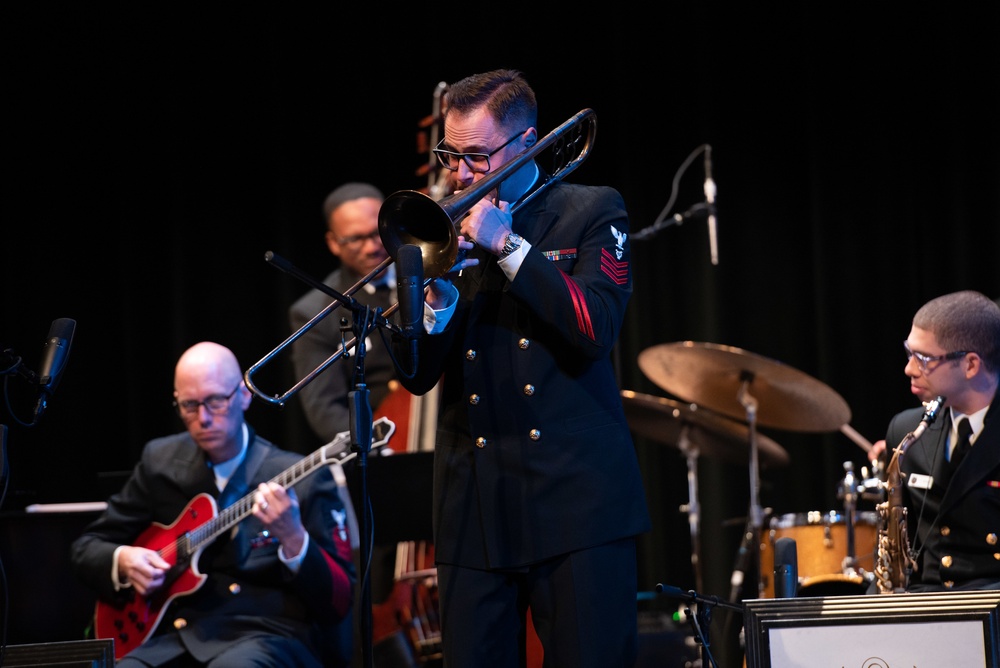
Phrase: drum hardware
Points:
(695, 431)
(746, 386)
(871, 487)
(848, 493)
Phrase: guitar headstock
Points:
(339, 449)
(382, 430)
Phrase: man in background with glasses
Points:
(279, 583)
(951, 474)
(350, 214)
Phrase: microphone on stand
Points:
(786, 568)
(410, 288)
(55, 354)
(713, 241)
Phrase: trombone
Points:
(411, 217)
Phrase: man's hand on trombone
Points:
(440, 289)
(488, 224)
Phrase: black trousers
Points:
(583, 607)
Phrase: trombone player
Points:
(538, 496)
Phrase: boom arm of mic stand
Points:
(695, 597)
(348, 301)
(696, 210)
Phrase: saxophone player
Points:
(951, 475)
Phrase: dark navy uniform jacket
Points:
(954, 525)
(533, 456)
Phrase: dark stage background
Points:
(154, 157)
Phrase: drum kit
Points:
(727, 392)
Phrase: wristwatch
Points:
(510, 244)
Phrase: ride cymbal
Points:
(708, 434)
(712, 375)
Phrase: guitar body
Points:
(131, 622)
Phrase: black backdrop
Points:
(153, 157)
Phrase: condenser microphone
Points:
(786, 568)
(410, 288)
(55, 354)
(713, 240)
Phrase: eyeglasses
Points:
(478, 163)
(358, 239)
(215, 404)
(924, 360)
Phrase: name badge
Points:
(920, 481)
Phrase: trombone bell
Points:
(411, 217)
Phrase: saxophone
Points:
(895, 560)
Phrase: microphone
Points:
(786, 568)
(713, 241)
(410, 288)
(55, 354)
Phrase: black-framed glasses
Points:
(359, 239)
(215, 404)
(924, 360)
(478, 163)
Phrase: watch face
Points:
(511, 244)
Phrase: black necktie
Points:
(963, 444)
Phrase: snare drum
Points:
(821, 549)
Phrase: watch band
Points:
(510, 244)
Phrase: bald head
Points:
(208, 360)
(208, 372)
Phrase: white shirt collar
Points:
(976, 421)
(224, 471)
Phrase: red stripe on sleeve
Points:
(583, 321)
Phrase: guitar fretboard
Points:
(336, 451)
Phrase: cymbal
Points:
(711, 375)
(713, 435)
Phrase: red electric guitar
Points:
(181, 543)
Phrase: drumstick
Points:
(850, 433)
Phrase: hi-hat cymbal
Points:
(711, 375)
(713, 435)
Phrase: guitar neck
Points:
(336, 451)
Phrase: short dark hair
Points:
(346, 193)
(504, 93)
(965, 320)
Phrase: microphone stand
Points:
(756, 519)
(365, 321)
(701, 209)
(702, 619)
(360, 407)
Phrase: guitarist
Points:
(278, 585)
